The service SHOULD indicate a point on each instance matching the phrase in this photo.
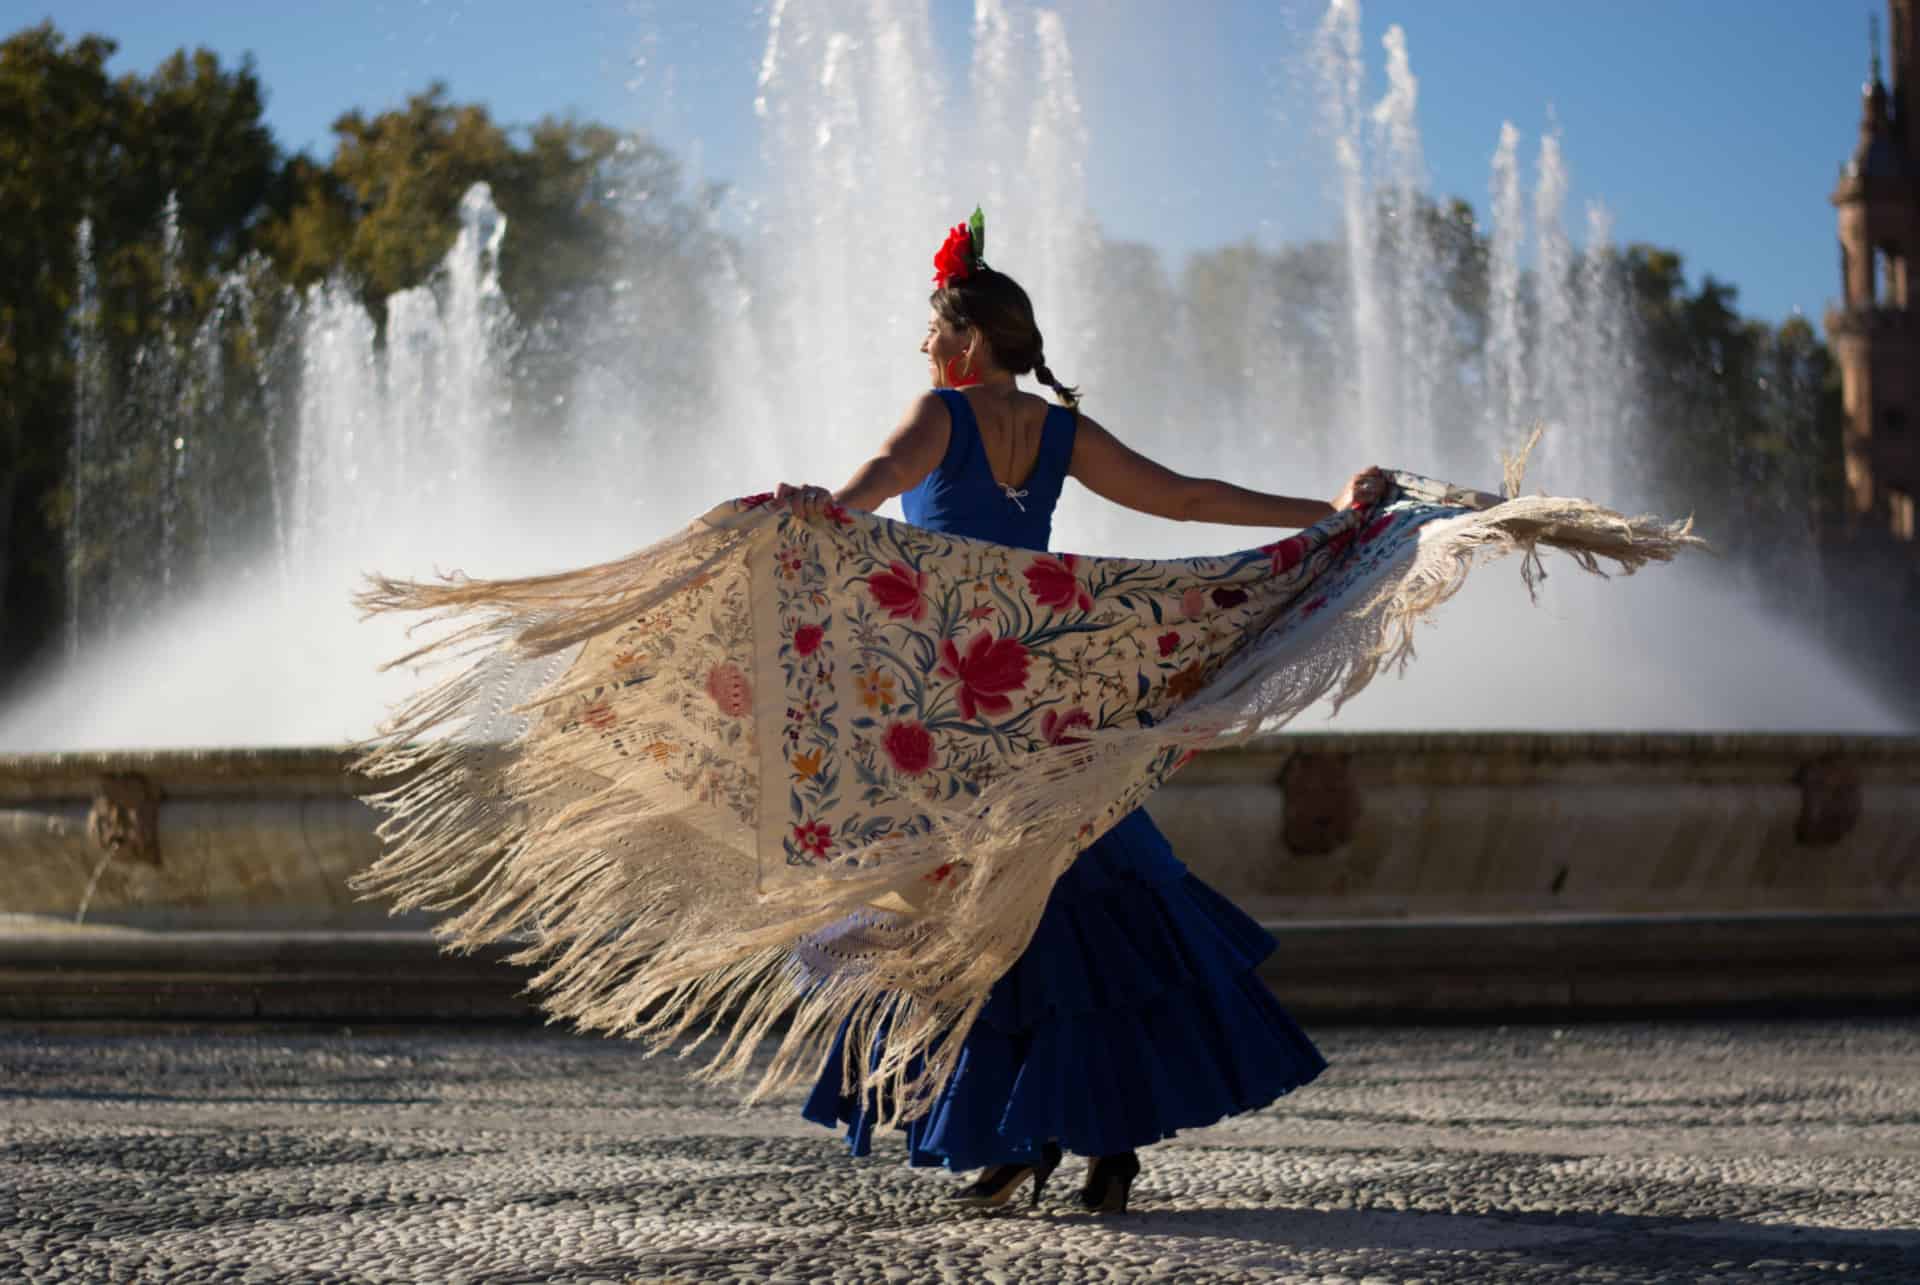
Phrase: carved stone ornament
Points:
(124, 820)
(1829, 802)
(1322, 803)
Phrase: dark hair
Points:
(994, 304)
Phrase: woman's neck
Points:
(996, 384)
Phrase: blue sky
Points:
(1711, 126)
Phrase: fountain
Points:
(403, 443)
(89, 405)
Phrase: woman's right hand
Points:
(805, 502)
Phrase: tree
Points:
(384, 207)
(1744, 417)
(76, 145)
(193, 130)
(601, 241)
(58, 127)
(595, 220)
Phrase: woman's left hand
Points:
(1363, 488)
(806, 502)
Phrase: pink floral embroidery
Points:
(806, 639)
(1224, 598)
(728, 686)
(909, 746)
(1192, 603)
(991, 667)
(1054, 583)
(1285, 555)
(814, 837)
(897, 591)
(1056, 728)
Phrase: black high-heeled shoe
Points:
(1109, 1178)
(996, 1186)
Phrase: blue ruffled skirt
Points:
(1134, 1012)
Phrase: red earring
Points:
(957, 378)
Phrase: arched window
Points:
(1900, 510)
(1889, 283)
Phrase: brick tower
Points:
(1873, 329)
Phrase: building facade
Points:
(1873, 328)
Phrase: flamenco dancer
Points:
(868, 790)
(1136, 1010)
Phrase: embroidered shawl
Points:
(772, 776)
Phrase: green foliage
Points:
(192, 129)
(1745, 418)
(383, 208)
(78, 145)
(60, 128)
(588, 209)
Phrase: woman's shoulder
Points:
(1036, 404)
(1036, 411)
(926, 431)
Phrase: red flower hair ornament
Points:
(961, 256)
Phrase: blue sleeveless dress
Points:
(1135, 1011)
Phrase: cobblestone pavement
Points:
(1685, 1152)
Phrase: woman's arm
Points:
(1110, 469)
(910, 452)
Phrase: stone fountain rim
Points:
(327, 769)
